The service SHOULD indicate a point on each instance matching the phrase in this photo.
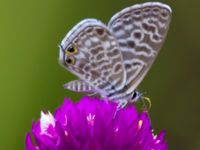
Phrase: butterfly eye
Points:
(136, 95)
(71, 50)
(70, 61)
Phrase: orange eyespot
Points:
(71, 50)
(70, 61)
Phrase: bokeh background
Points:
(31, 79)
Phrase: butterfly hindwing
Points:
(92, 53)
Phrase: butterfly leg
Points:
(92, 94)
(121, 104)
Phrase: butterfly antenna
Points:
(144, 98)
(146, 109)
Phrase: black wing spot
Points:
(100, 31)
(137, 35)
(131, 44)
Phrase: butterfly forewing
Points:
(140, 31)
(97, 60)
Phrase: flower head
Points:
(91, 125)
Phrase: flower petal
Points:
(91, 124)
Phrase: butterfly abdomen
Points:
(78, 86)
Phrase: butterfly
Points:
(113, 59)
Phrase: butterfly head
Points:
(135, 96)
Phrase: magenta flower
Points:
(90, 125)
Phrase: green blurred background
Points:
(31, 79)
